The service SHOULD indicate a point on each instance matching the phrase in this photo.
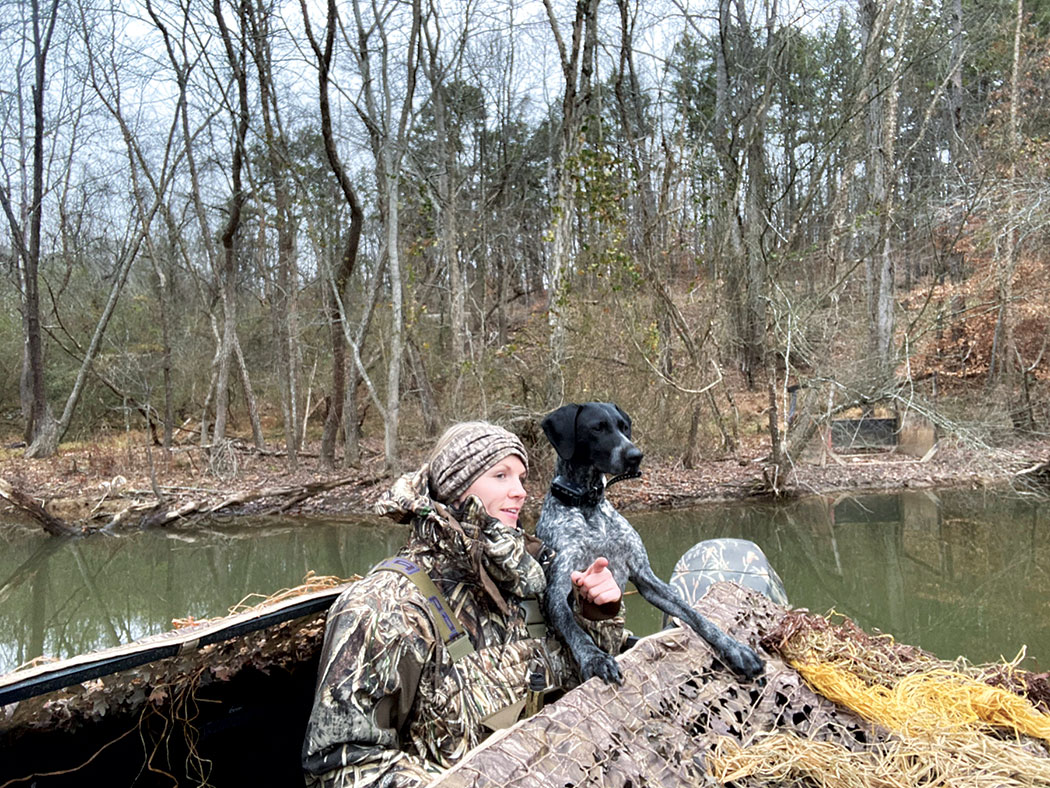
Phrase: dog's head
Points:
(594, 433)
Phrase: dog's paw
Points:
(602, 665)
(743, 661)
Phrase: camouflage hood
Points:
(465, 542)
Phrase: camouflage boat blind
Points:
(660, 727)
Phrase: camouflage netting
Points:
(680, 720)
(660, 726)
(165, 682)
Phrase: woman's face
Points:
(501, 489)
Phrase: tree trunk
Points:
(881, 138)
(348, 259)
(28, 504)
(1001, 364)
(225, 354)
(577, 64)
(230, 347)
(284, 313)
(393, 378)
(730, 243)
(334, 417)
(446, 200)
(351, 424)
(40, 428)
(164, 302)
(249, 395)
(388, 131)
(46, 444)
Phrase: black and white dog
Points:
(592, 440)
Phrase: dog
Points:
(580, 524)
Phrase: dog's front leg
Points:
(590, 659)
(739, 658)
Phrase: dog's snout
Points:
(633, 457)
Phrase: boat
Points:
(226, 702)
(836, 706)
(217, 702)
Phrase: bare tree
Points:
(348, 259)
(284, 312)
(1002, 363)
(385, 106)
(230, 348)
(186, 51)
(445, 195)
(40, 425)
(104, 77)
(577, 59)
(45, 432)
(881, 132)
(741, 114)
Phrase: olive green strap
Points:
(534, 621)
(452, 633)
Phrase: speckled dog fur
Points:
(592, 440)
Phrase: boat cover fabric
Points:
(676, 703)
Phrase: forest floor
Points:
(89, 485)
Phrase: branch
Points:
(157, 515)
(53, 525)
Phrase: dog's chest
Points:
(590, 531)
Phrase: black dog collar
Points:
(623, 476)
(571, 495)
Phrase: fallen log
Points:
(296, 493)
(163, 515)
(55, 526)
(155, 513)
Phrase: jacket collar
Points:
(463, 543)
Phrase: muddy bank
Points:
(100, 485)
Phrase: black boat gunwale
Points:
(20, 685)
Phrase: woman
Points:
(399, 696)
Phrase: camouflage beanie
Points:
(466, 451)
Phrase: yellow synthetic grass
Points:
(940, 719)
(924, 704)
(941, 725)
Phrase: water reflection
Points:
(957, 573)
(61, 598)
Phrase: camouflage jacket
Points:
(392, 708)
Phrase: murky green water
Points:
(956, 572)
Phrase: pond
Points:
(956, 572)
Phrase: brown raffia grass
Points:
(947, 726)
(962, 759)
(311, 582)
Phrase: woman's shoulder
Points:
(383, 601)
(376, 588)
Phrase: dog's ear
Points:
(560, 428)
(625, 417)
